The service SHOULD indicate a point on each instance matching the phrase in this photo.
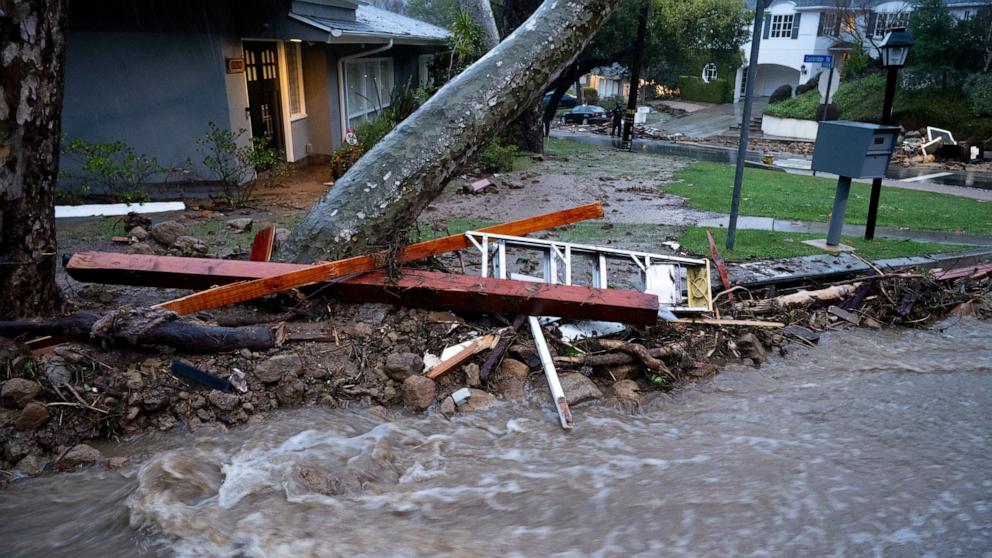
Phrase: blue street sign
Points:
(826, 60)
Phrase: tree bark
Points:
(482, 13)
(526, 131)
(30, 114)
(383, 193)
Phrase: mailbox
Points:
(854, 149)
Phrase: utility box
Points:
(854, 149)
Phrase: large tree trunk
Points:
(525, 131)
(385, 190)
(482, 13)
(30, 110)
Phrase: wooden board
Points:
(261, 247)
(240, 292)
(476, 346)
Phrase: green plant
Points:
(112, 168)
(980, 97)
(857, 62)
(781, 93)
(497, 157)
(240, 167)
(802, 106)
(692, 88)
(590, 95)
(465, 43)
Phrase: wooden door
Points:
(264, 100)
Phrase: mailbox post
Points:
(851, 150)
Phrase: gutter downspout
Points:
(341, 104)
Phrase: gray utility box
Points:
(854, 149)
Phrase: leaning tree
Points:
(30, 109)
(379, 197)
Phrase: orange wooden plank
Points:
(240, 292)
(261, 247)
(476, 346)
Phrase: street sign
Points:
(831, 81)
(826, 60)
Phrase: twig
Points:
(83, 401)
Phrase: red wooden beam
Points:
(261, 247)
(414, 288)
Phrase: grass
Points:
(624, 235)
(707, 186)
(762, 245)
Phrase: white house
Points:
(795, 28)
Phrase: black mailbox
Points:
(854, 149)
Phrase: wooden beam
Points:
(168, 271)
(240, 292)
(261, 247)
(476, 346)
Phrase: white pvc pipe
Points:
(557, 393)
(341, 98)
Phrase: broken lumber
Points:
(730, 322)
(261, 247)
(796, 300)
(496, 355)
(241, 292)
(721, 266)
(476, 346)
(180, 334)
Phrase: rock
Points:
(32, 417)
(359, 330)
(138, 233)
(290, 392)
(16, 392)
(30, 465)
(278, 367)
(751, 347)
(153, 402)
(81, 455)
(418, 392)
(515, 368)
(527, 354)
(472, 375)
(141, 248)
(372, 313)
(190, 245)
(627, 389)
(579, 389)
(166, 232)
(8, 416)
(281, 236)
(703, 370)
(223, 401)
(56, 373)
(133, 380)
(118, 462)
(17, 447)
(447, 407)
(239, 225)
(399, 366)
(477, 401)
(511, 388)
(801, 332)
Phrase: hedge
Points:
(692, 88)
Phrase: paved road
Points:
(710, 121)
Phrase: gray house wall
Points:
(316, 86)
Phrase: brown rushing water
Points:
(875, 443)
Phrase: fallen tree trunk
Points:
(157, 330)
(388, 187)
(796, 300)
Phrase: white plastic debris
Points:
(461, 396)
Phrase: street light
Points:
(894, 50)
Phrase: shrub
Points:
(781, 93)
(497, 157)
(590, 95)
(612, 101)
(240, 169)
(692, 88)
(833, 113)
(980, 96)
(112, 168)
(801, 106)
(810, 85)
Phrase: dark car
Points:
(586, 114)
(567, 101)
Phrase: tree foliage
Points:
(934, 57)
(438, 12)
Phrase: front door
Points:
(264, 102)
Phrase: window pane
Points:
(293, 78)
(355, 82)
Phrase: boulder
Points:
(515, 368)
(579, 389)
(278, 367)
(290, 392)
(223, 401)
(139, 234)
(472, 375)
(418, 392)
(477, 401)
(447, 407)
(751, 347)
(142, 248)
(81, 455)
(399, 366)
(239, 225)
(190, 245)
(166, 232)
(30, 465)
(16, 392)
(32, 417)
(511, 388)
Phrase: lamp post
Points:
(894, 50)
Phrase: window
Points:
(294, 81)
(424, 68)
(709, 72)
(829, 25)
(782, 26)
(370, 84)
(885, 22)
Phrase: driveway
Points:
(710, 121)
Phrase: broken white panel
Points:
(939, 133)
(461, 396)
(115, 209)
(589, 329)
(663, 280)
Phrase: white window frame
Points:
(709, 72)
(298, 74)
(828, 25)
(352, 114)
(884, 21)
(782, 26)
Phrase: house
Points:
(608, 81)
(795, 28)
(153, 73)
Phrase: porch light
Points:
(895, 47)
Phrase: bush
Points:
(810, 85)
(240, 169)
(112, 168)
(801, 106)
(980, 96)
(590, 95)
(833, 113)
(612, 101)
(497, 157)
(781, 93)
(692, 88)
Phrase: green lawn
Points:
(751, 244)
(708, 186)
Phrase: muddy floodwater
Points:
(872, 444)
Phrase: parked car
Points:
(586, 114)
(567, 101)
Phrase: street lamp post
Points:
(894, 50)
